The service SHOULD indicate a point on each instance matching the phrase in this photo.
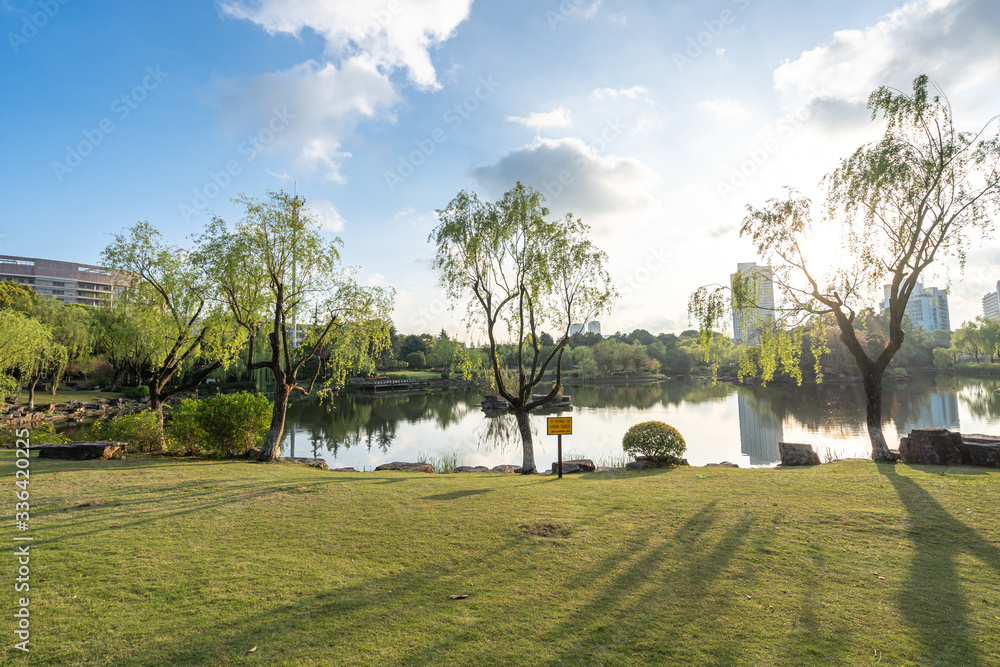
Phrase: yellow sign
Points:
(560, 425)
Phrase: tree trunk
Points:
(271, 449)
(156, 401)
(527, 447)
(873, 414)
(31, 392)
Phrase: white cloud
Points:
(633, 93)
(366, 41)
(543, 120)
(326, 214)
(574, 177)
(724, 108)
(283, 176)
(953, 41)
(397, 34)
(322, 102)
(620, 18)
(591, 12)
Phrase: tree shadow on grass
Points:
(933, 600)
(643, 596)
(370, 606)
(455, 495)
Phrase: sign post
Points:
(560, 426)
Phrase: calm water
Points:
(726, 422)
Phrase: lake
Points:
(726, 422)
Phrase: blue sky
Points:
(664, 120)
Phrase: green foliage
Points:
(25, 347)
(140, 393)
(899, 374)
(223, 425)
(656, 440)
(416, 360)
(141, 430)
(277, 266)
(44, 434)
(21, 298)
(943, 358)
(519, 272)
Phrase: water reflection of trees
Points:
(352, 420)
(981, 399)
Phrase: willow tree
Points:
(520, 272)
(172, 302)
(277, 272)
(921, 192)
(23, 340)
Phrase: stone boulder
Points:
(472, 469)
(796, 454)
(312, 463)
(935, 446)
(491, 402)
(724, 464)
(83, 451)
(406, 467)
(344, 470)
(577, 465)
(981, 450)
(640, 464)
(507, 468)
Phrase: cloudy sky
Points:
(655, 122)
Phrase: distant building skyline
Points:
(927, 307)
(592, 327)
(747, 322)
(69, 282)
(991, 304)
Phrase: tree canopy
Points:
(517, 272)
(920, 192)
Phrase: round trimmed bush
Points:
(656, 441)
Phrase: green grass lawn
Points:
(64, 395)
(413, 375)
(172, 562)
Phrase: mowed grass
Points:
(63, 395)
(173, 562)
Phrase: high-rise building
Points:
(927, 307)
(748, 321)
(991, 304)
(592, 327)
(67, 281)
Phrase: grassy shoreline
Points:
(161, 562)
